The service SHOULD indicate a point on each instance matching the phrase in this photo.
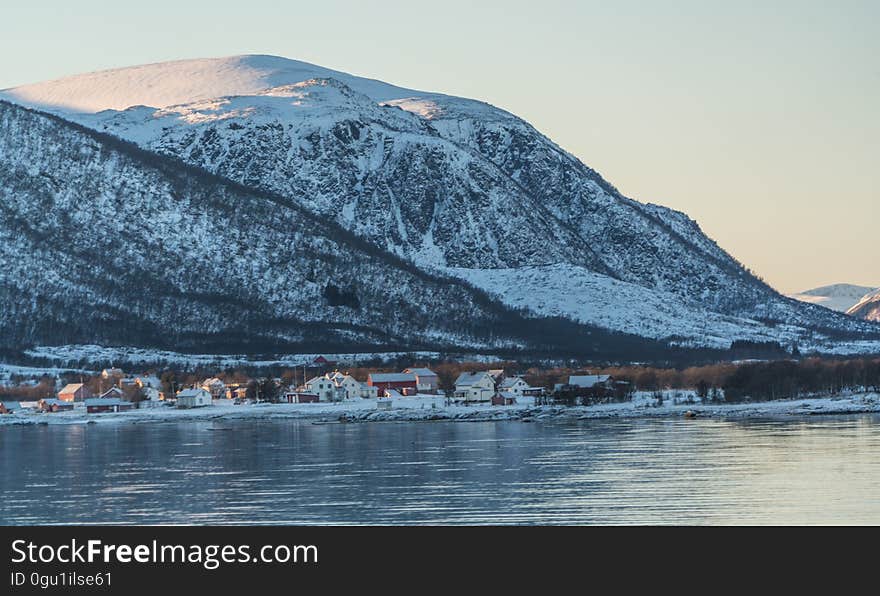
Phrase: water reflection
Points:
(655, 471)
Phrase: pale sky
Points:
(759, 119)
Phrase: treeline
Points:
(780, 379)
(26, 391)
(788, 379)
(732, 382)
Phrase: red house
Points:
(403, 383)
(74, 392)
(97, 405)
(54, 405)
(321, 361)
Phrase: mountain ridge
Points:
(868, 307)
(458, 187)
(840, 297)
(31, 221)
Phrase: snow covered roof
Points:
(392, 377)
(471, 378)
(191, 393)
(111, 393)
(150, 381)
(314, 380)
(105, 401)
(71, 388)
(510, 382)
(213, 381)
(51, 401)
(11, 405)
(421, 372)
(587, 380)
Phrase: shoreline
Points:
(433, 409)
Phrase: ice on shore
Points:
(430, 407)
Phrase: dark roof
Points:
(392, 377)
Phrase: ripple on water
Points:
(816, 470)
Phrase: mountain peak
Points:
(164, 84)
(839, 297)
(868, 307)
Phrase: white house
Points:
(108, 373)
(368, 391)
(193, 398)
(215, 387)
(347, 385)
(588, 381)
(128, 382)
(324, 388)
(474, 387)
(426, 379)
(515, 385)
(497, 373)
(152, 398)
(113, 393)
(149, 381)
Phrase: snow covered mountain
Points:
(839, 297)
(453, 187)
(103, 242)
(868, 307)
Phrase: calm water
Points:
(294, 472)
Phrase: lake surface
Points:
(822, 471)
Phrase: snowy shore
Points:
(430, 408)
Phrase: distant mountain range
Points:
(266, 203)
(839, 297)
(868, 307)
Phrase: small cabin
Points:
(504, 398)
(8, 407)
(301, 397)
(193, 398)
(54, 405)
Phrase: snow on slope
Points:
(73, 355)
(185, 81)
(580, 294)
(443, 182)
(839, 297)
(168, 252)
(868, 307)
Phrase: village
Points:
(323, 387)
(115, 391)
